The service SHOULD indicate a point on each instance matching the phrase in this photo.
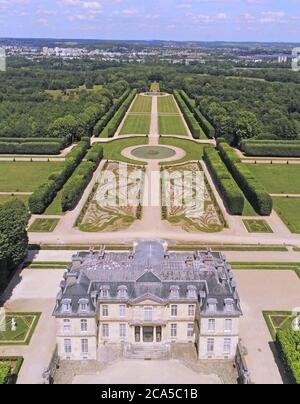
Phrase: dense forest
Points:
(53, 98)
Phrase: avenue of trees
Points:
(14, 217)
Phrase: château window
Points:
(84, 346)
(83, 325)
(229, 305)
(212, 305)
(228, 325)
(174, 292)
(104, 292)
(227, 346)
(66, 305)
(122, 330)
(122, 292)
(105, 310)
(190, 330)
(192, 292)
(212, 325)
(122, 309)
(173, 330)
(174, 310)
(210, 346)
(67, 325)
(105, 330)
(148, 313)
(68, 346)
(191, 310)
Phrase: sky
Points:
(198, 20)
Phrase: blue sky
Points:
(202, 20)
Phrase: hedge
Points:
(7, 374)
(95, 154)
(100, 125)
(45, 194)
(63, 142)
(113, 125)
(74, 188)
(252, 188)
(230, 192)
(207, 127)
(195, 129)
(289, 342)
(30, 148)
(271, 148)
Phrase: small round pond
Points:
(153, 152)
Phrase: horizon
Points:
(173, 20)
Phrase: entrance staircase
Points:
(147, 352)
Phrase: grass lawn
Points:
(26, 324)
(167, 105)
(257, 226)
(194, 151)
(267, 266)
(171, 125)
(43, 225)
(289, 211)
(278, 178)
(55, 207)
(113, 149)
(136, 125)
(278, 320)
(25, 176)
(8, 198)
(142, 104)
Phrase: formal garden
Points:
(284, 328)
(17, 328)
(9, 369)
(116, 200)
(193, 214)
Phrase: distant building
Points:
(147, 297)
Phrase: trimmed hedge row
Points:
(95, 154)
(114, 123)
(45, 194)
(252, 188)
(231, 193)
(195, 129)
(100, 125)
(207, 127)
(62, 141)
(271, 148)
(289, 342)
(30, 148)
(74, 188)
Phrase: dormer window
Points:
(174, 292)
(229, 305)
(105, 292)
(66, 305)
(192, 292)
(83, 305)
(122, 292)
(212, 305)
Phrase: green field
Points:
(171, 125)
(136, 125)
(55, 207)
(142, 104)
(278, 178)
(289, 211)
(194, 151)
(26, 324)
(113, 149)
(257, 226)
(43, 225)
(25, 176)
(8, 198)
(167, 105)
